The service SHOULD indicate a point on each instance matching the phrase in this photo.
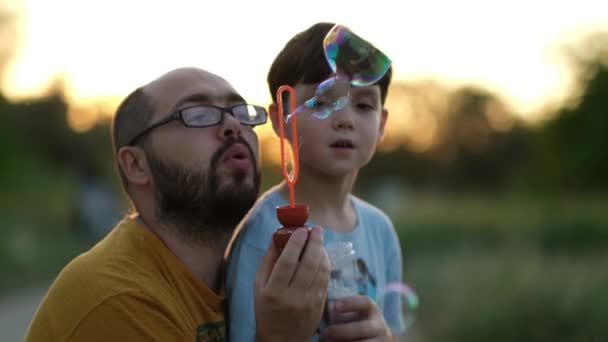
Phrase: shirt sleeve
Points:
(243, 264)
(131, 316)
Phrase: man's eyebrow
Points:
(205, 98)
(234, 97)
(198, 97)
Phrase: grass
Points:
(512, 294)
(510, 268)
(486, 268)
(573, 224)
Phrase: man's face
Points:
(205, 178)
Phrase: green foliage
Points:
(41, 161)
(510, 268)
(480, 146)
(566, 224)
(571, 149)
(509, 294)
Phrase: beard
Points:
(195, 201)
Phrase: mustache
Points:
(227, 144)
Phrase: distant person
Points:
(98, 208)
(187, 155)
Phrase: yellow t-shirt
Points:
(129, 287)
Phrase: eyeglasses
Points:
(205, 116)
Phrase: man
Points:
(188, 159)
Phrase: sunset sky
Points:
(106, 48)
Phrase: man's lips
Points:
(237, 156)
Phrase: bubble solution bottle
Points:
(343, 278)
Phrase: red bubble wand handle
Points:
(293, 178)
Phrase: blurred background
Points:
(493, 168)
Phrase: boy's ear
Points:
(274, 118)
(133, 165)
(383, 119)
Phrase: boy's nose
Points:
(342, 119)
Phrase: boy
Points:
(331, 152)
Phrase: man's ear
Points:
(273, 112)
(383, 119)
(133, 165)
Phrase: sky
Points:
(107, 48)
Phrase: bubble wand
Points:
(294, 215)
(290, 179)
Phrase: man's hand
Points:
(291, 287)
(370, 325)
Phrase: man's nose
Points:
(230, 126)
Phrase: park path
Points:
(16, 311)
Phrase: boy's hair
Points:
(302, 60)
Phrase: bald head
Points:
(181, 75)
(177, 87)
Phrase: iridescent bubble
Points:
(330, 95)
(354, 61)
(351, 55)
(399, 298)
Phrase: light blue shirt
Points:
(374, 239)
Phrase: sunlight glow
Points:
(107, 48)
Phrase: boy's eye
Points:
(365, 106)
(314, 103)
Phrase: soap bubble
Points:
(354, 62)
(352, 56)
(397, 298)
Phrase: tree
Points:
(462, 138)
(571, 149)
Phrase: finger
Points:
(320, 284)
(371, 323)
(357, 330)
(360, 303)
(317, 292)
(266, 265)
(287, 263)
(310, 262)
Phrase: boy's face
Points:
(346, 140)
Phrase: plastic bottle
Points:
(343, 278)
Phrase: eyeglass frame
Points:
(177, 115)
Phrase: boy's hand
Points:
(369, 327)
(290, 288)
